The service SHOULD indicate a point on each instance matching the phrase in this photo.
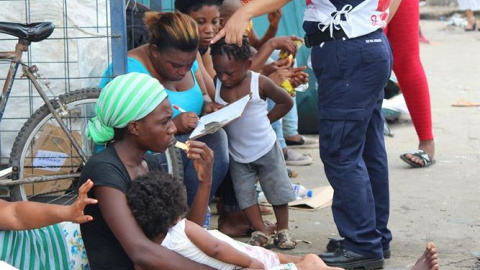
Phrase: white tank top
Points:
(355, 20)
(178, 241)
(251, 136)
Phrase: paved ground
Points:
(440, 203)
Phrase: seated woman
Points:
(27, 241)
(169, 57)
(134, 116)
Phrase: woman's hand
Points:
(185, 122)
(238, 22)
(202, 157)
(209, 107)
(75, 213)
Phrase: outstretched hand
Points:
(75, 213)
(238, 22)
(286, 43)
(233, 30)
(295, 75)
(274, 17)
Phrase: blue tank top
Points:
(190, 100)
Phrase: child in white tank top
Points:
(158, 203)
(254, 153)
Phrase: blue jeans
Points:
(219, 144)
(290, 121)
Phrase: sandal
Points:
(283, 240)
(427, 160)
(260, 239)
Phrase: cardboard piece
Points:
(53, 154)
(465, 103)
(322, 197)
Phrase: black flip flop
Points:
(427, 160)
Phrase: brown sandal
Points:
(283, 240)
(260, 239)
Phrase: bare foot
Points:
(428, 260)
(233, 224)
(428, 146)
(313, 262)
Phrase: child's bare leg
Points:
(285, 258)
(281, 214)
(313, 262)
(428, 260)
(255, 218)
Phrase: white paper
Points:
(223, 116)
(49, 160)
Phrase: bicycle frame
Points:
(15, 61)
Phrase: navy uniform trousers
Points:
(351, 76)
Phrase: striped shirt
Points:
(38, 249)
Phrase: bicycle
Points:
(51, 148)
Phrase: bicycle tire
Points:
(42, 148)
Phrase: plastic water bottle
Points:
(301, 191)
(261, 197)
(206, 223)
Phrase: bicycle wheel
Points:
(43, 149)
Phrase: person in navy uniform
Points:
(352, 61)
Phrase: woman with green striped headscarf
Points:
(134, 116)
(127, 98)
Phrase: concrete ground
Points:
(440, 203)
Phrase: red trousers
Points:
(403, 34)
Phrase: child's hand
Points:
(202, 157)
(209, 107)
(75, 211)
(299, 77)
(274, 18)
(280, 75)
(285, 44)
(185, 122)
(274, 66)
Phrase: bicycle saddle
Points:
(33, 32)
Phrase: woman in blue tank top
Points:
(170, 57)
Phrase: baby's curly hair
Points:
(157, 202)
(187, 6)
(232, 50)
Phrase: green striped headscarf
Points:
(126, 98)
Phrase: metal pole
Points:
(119, 37)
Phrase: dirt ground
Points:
(440, 203)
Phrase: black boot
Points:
(350, 260)
(335, 243)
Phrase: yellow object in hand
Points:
(181, 145)
(286, 54)
(288, 86)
